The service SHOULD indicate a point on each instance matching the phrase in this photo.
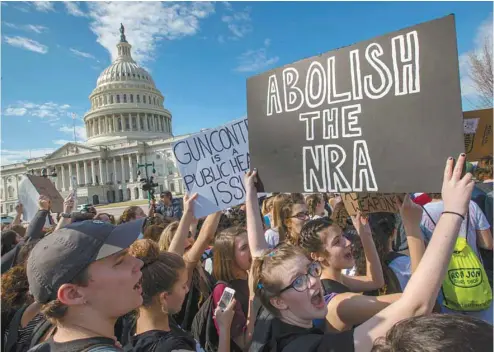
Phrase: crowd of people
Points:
(306, 276)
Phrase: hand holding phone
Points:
(226, 298)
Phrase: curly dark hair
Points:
(15, 289)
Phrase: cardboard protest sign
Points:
(477, 126)
(369, 203)
(213, 164)
(30, 188)
(45, 187)
(382, 115)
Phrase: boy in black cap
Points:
(85, 279)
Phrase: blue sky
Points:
(199, 54)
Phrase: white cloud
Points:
(82, 54)
(484, 32)
(16, 156)
(43, 6)
(15, 111)
(146, 23)
(239, 23)
(256, 60)
(27, 27)
(73, 9)
(27, 44)
(50, 111)
(80, 132)
(36, 28)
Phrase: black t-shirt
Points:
(194, 298)
(77, 345)
(295, 338)
(332, 286)
(162, 341)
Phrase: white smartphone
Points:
(226, 298)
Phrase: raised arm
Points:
(177, 244)
(255, 232)
(206, 235)
(422, 289)
(68, 206)
(346, 310)
(374, 278)
(35, 228)
(411, 215)
(19, 208)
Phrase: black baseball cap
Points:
(59, 257)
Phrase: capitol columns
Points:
(107, 170)
(78, 172)
(70, 177)
(131, 169)
(86, 178)
(101, 179)
(122, 163)
(63, 177)
(93, 172)
(115, 170)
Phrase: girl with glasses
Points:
(274, 270)
(289, 215)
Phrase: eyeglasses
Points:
(301, 283)
(301, 216)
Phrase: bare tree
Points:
(481, 74)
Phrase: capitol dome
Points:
(126, 105)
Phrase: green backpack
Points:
(466, 287)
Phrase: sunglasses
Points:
(301, 283)
(301, 216)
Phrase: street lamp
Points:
(148, 184)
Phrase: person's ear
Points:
(278, 303)
(164, 297)
(71, 295)
(316, 257)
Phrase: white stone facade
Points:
(126, 125)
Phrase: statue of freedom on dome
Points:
(122, 33)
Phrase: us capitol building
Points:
(126, 125)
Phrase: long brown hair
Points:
(282, 211)
(224, 253)
(312, 201)
(167, 236)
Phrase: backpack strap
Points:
(467, 217)
(390, 256)
(102, 348)
(39, 331)
(14, 329)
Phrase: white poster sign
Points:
(213, 164)
(28, 197)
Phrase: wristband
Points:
(452, 212)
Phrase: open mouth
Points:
(138, 286)
(317, 299)
(349, 256)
